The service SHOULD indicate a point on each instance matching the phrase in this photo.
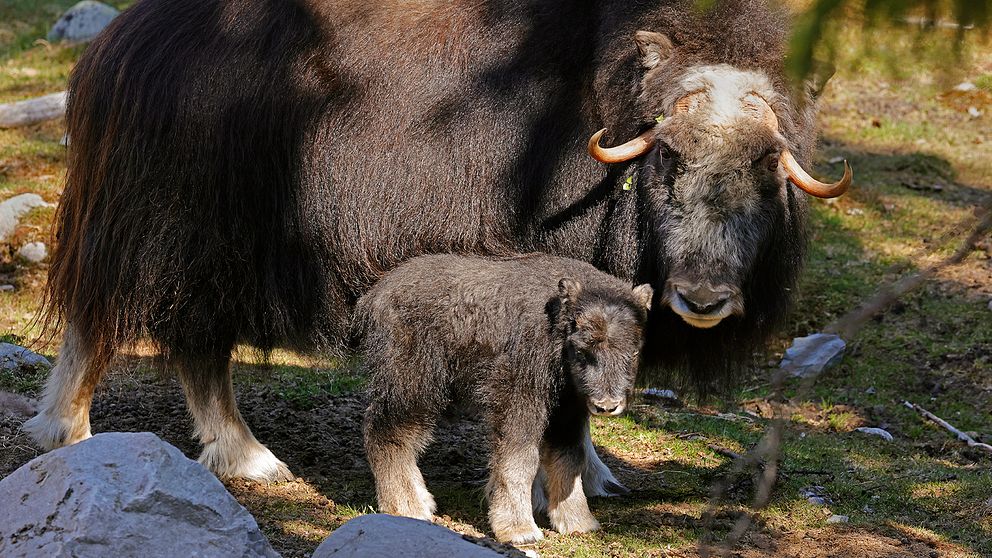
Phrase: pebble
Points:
(660, 393)
(811, 355)
(815, 495)
(33, 252)
(966, 86)
(6, 288)
(838, 519)
(974, 112)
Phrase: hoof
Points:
(251, 461)
(51, 433)
(579, 522)
(524, 534)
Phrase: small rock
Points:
(870, 391)
(811, 355)
(966, 86)
(660, 393)
(82, 22)
(33, 252)
(6, 288)
(974, 112)
(123, 494)
(14, 356)
(990, 305)
(13, 209)
(875, 432)
(816, 495)
(838, 519)
(835, 160)
(387, 535)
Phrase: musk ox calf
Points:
(535, 343)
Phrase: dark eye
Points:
(768, 160)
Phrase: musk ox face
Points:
(604, 339)
(717, 170)
(720, 191)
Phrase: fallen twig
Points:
(32, 111)
(947, 426)
(724, 451)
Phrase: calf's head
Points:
(604, 334)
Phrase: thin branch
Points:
(947, 426)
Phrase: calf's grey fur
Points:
(535, 342)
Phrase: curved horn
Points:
(796, 173)
(810, 185)
(621, 153)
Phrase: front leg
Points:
(514, 466)
(568, 509)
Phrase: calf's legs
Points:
(392, 451)
(514, 466)
(567, 507)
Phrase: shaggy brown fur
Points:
(534, 343)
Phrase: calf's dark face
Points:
(604, 340)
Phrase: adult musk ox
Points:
(241, 171)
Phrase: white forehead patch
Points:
(725, 88)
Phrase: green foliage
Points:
(812, 28)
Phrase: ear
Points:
(569, 289)
(654, 48)
(643, 295)
(819, 74)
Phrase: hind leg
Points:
(392, 449)
(230, 450)
(64, 417)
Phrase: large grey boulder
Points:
(14, 356)
(388, 536)
(122, 494)
(82, 22)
